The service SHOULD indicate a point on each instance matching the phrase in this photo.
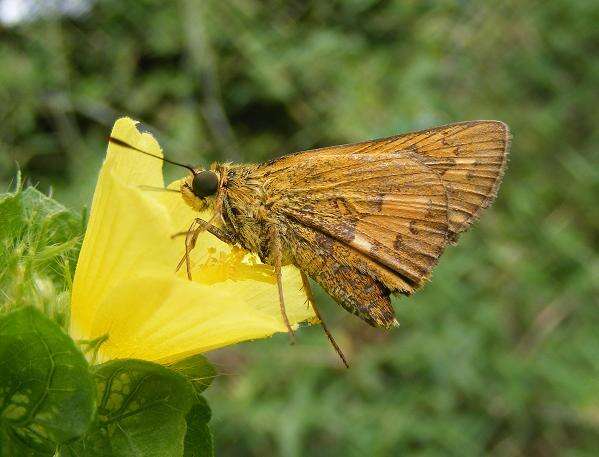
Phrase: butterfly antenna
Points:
(159, 189)
(124, 144)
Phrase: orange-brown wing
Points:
(389, 207)
(469, 157)
(392, 204)
(352, 279)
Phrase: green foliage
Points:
(47, 392)
(200, 373)
(39, 243)
(142, 410)
(51, 401)
(197, 371)
(498, 354)
(198, 440)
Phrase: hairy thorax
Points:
(247, 212)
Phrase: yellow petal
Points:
(125, 285)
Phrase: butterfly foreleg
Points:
(197, 227)
(206, 226)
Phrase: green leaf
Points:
(47, 394)
(198, 439)
(11, 211)
(197, 370)
(30, 208)
(39, 243)
(141, 412)
(12, 446)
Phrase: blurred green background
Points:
(499, 355)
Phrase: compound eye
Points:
(204, 184)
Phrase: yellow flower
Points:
(125, 285)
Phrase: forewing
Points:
(469, 158)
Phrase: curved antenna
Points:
(122, 143)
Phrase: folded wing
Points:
(395, 203)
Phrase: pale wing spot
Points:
(361, 244)
(458, 217)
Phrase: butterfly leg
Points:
(217, 232)
(191, 236)
(188, 239)
(277, 260)
(308, 290)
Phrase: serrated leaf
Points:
(39, 242)
(198, 439)
(141, 412)
(47, 394)
(30, 207)
(11, 216)
(197, 370)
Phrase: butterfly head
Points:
(200, 189)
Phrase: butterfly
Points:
(363, 220)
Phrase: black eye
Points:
(204, 184)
